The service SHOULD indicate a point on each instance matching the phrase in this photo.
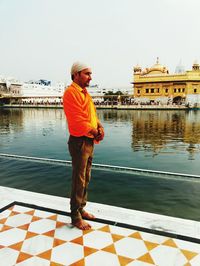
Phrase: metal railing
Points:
(105, 167)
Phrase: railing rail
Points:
(105, 167)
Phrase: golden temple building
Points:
(157, 85)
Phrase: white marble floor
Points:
(35, 230)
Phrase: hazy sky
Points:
(42, 38)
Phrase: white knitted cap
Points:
(77, 67)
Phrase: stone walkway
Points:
(35, 230)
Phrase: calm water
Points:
(157, 140)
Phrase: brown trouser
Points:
(81, 150)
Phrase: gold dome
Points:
(157, 68)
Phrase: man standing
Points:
(85, 129)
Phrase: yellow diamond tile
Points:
(5, 228)
(79, 263)
(59, 224)
(189, 254)
(85, 232)
(88, 251)
(124, 261)
(24, 227)
(150, 245)
(78, 240)
(35, 218)
(30, 234)
(136, 235)
(53, 217)
(116, 237)
(146, 258)
(170, 243)
(13, 213)
(30, 212)
(105, 228)
(17, 246)
(45, 255)
(49, 233)
(23, 256)
(110, 249)
(2, 221)
(58, 242)
(56, 264)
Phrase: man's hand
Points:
(100, 135)
(94, 132)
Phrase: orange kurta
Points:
(80, 111)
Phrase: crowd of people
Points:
(102, 102)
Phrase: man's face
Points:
(83, 77)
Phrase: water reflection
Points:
(128, 132)
(157, 130)
(14, 120)
(32, 132)
(10, 120)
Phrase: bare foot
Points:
(87, 215)
(82, 225)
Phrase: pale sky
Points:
(43, 38)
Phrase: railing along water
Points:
(105, 167)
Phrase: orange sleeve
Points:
(76, 113)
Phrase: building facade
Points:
(157, 85)
(9, 88)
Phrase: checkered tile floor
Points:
(29, 236)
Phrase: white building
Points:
(42, 91)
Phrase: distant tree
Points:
(119, 93)
(112, 96)
(114, 93)
(109, 93)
